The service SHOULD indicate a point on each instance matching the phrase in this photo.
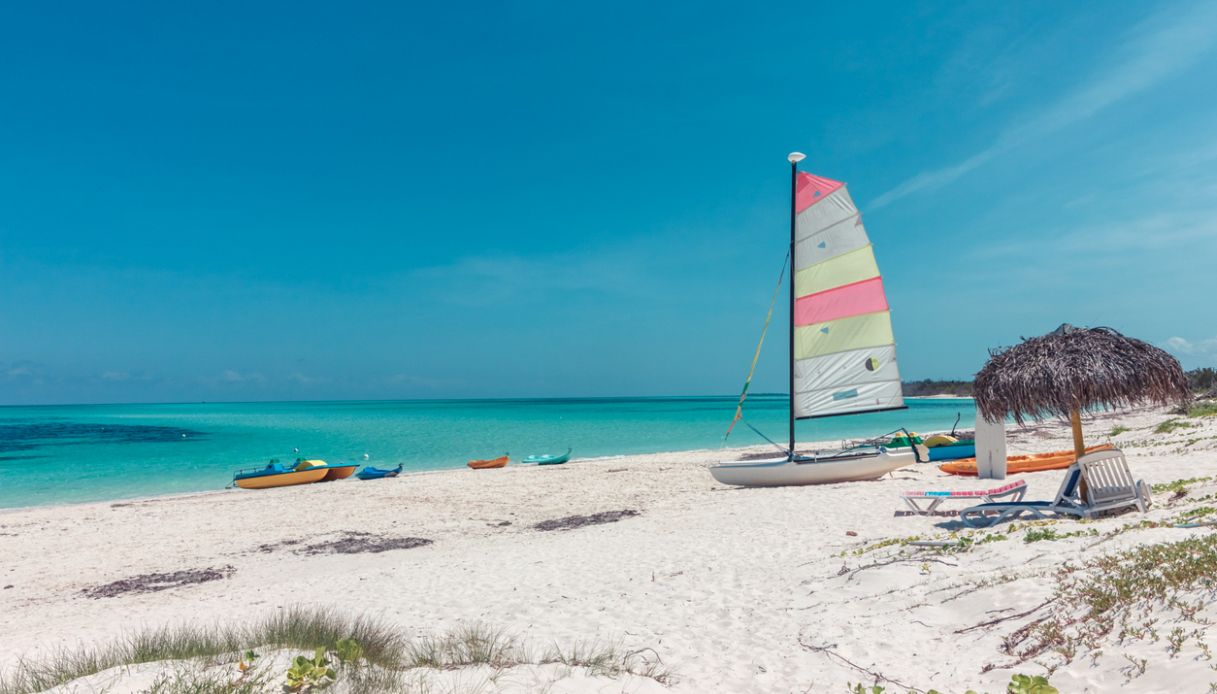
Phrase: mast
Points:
(794, 158)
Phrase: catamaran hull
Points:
(781, 472)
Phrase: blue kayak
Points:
(955, 451)
(548, 459)
(375, 473)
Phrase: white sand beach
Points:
(733, 590)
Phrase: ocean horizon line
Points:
(331, 401)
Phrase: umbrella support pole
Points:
(1079, 446)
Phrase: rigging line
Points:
(739, 408)
(779, 446)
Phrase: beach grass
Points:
(481, 645)
(1172, 425)
(300, 628)
(385, 658)
(1128, 594)
(1179, 485)
(1203, 409)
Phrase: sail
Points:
(844, 350)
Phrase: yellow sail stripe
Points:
(855, 332)
(847, 268)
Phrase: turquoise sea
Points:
(64, 454)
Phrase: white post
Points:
(990, 448)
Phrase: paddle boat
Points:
(549, 459)
(338, 472)
(375, 473)
(276, 474)
(489, 463)
(947, 447)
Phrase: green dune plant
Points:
(1171, 426)
(1019, 684)
(1120, 594)
(306, 674)
(1176, 486)
(370, 657)
(1207, 408)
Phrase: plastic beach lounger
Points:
(927, 502)
(1109, 486)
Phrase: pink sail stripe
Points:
(841, 302)
(811, 189)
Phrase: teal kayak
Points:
(548, 459)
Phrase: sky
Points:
(314, 200)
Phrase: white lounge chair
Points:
(927, 502)
(1109, 485)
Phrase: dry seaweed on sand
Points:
(349, 542)
(572, 522)
(155, 582)
(273, 546)
(363, 543)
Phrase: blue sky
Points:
(239, 201)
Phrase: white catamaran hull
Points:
(782, 472)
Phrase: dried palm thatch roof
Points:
(1072, 369)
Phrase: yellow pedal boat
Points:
(277, 475)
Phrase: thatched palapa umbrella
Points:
(1074, 369)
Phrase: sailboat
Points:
(842, 350)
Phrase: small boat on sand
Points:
(501, 461)
(375, 473)
(340, 472)
(820, 468)
(1015, 464)
(842, 353)
(276, 474)
(550, 459)
(950, 447)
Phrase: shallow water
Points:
(64, 454)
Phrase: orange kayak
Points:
(339, 472)
(1015, 464)
(487, 464)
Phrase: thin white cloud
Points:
(21, 371)
(237, 377)
(307, 380)
(1156, 49)
(403, 379)
(486, 280)
(1161, 232)
(1183, 346)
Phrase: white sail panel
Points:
(844, 369)
(844, 379)
(867, 397)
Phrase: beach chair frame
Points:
(917, 501)
(1065, 503)
(1109, 483)
(1109, 486)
